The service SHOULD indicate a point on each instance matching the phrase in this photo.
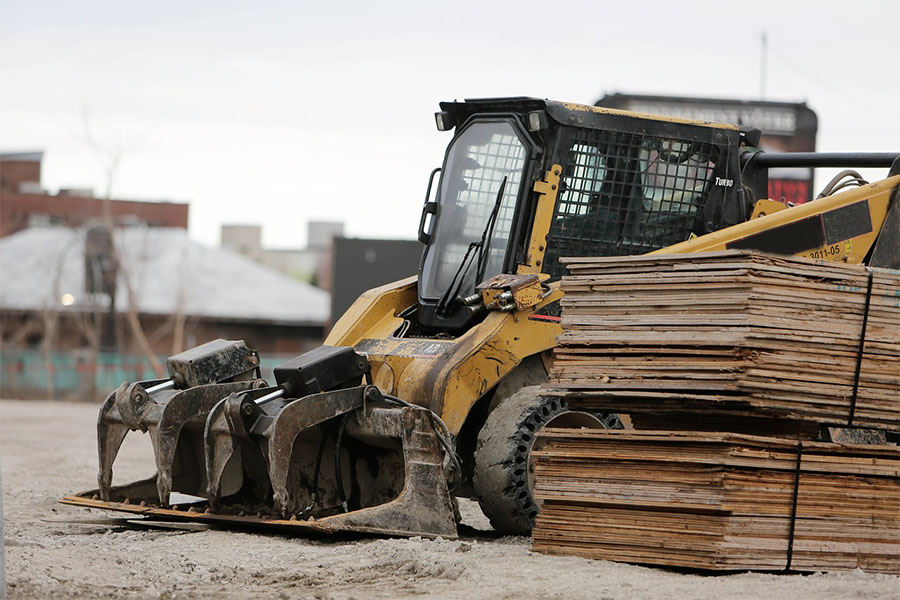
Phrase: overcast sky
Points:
(276, 112)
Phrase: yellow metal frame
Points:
(547, 191)
(852, 250)
(765, 206)
(447, 376)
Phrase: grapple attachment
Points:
(174, 412)
(323, 451)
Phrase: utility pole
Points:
(762, 71)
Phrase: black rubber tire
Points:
(501, 478)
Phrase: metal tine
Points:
(295, 418)
(421, 503)
(228, 445)
(418, 501)
(181, 424)
(124, 410)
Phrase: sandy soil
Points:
(47, 449)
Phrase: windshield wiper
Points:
(487, 236)
(483, 254)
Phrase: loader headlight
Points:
(444, 120)
(537, 120)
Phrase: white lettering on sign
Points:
(765, 118)
(724, 182)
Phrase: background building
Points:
(84, 315)
(362, 264)
(346, 267)
(311, 264)
(24, 202)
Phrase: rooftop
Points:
(29, 156)
(168, 272)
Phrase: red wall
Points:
(74, 211)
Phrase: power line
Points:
(837, 91)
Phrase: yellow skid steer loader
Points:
(428, 388)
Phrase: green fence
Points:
(79, 373)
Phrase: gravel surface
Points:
(47, 449)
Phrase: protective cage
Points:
(629, 193)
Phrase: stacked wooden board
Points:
(715, 342)
(732, 334)
(717, 501)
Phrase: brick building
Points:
(24, 202)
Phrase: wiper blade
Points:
(487, 235)
(460, 274)
(483, 254)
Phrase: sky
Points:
(278, 112)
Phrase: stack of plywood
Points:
(717, 501)
(732, 333)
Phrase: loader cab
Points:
(629, 184)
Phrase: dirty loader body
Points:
(405, 403)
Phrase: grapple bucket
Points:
(323, 451)
(174, 412)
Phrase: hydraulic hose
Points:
(337, 462)
(442, 432)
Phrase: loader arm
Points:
(843, 227)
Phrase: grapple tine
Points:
(228, 445)
(121, 412)
(424, 505)
(219, 447)
(420, 503)
(296, 417)
(182, 424)
(110, 435)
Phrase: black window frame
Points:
(532, 156)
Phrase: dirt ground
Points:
(47, 449)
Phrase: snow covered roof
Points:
(168, 273)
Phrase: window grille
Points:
(625, 193)
(503, 156)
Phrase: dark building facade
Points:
(359, 265)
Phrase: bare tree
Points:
(111, 157)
